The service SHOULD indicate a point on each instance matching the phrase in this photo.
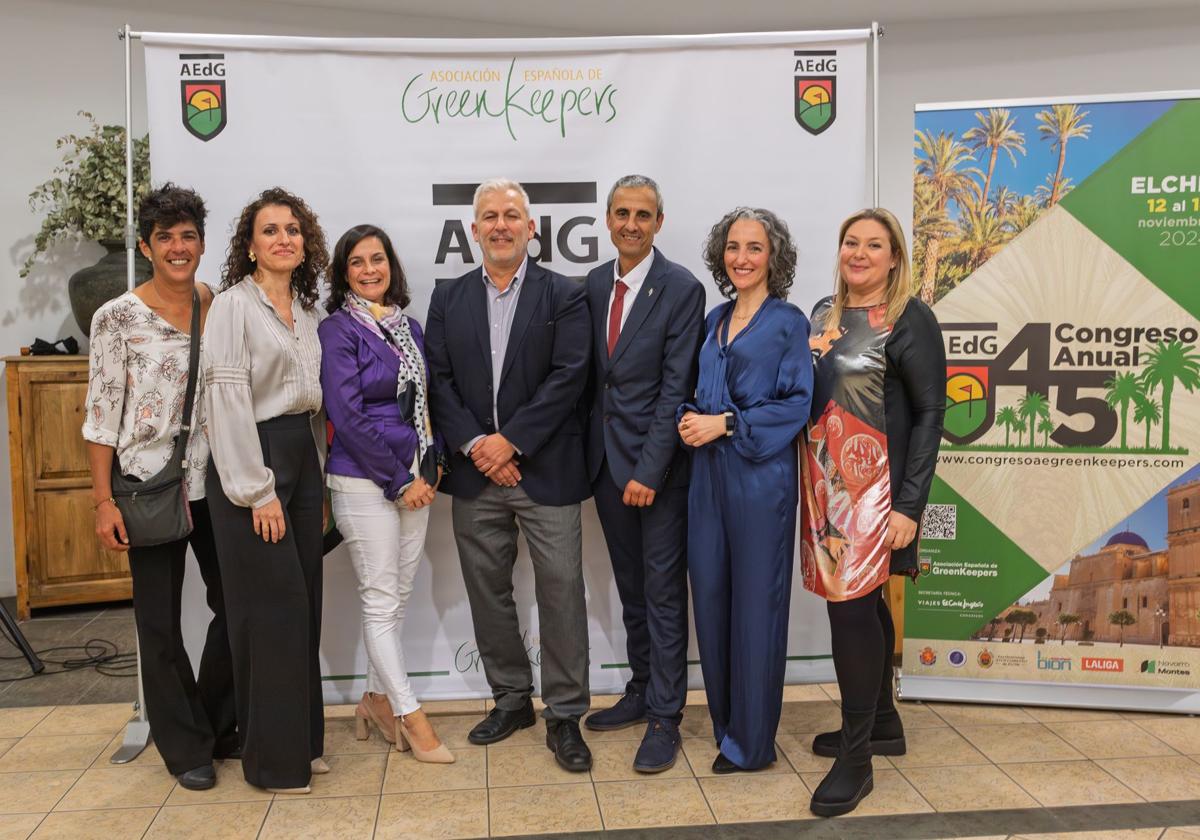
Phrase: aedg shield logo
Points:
(203, 100)
(815, 89)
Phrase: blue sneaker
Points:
(630, 710)
(660, 746)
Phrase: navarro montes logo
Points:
(202, 94)
(816, 95)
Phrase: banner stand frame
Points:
(137, 733)
(1025, 693)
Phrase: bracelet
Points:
(96, 506)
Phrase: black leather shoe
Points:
(630, 710)
(199, 778)
(722, 765)
(564, 739)
(500, 723)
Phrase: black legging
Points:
(863, 639)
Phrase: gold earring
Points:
(252, 257)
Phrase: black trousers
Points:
(190, 719)
(273, 604)
(648, 549)
(863, 638)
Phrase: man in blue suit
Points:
(647, 325)
(507, 370)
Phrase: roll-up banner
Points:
(1059, 242)
(399, 132)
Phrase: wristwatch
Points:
(730, 423)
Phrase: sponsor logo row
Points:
(986, 658)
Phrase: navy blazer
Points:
(652, 370)
(541, 384)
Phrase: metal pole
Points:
(137, 731)
(130, 241)
(876, 34)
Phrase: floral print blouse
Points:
(137, 382)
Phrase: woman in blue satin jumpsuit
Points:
(752, 401)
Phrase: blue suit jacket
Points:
(652, 370)
(541, 383)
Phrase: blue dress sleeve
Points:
(766, 428)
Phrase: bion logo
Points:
(1053, 663)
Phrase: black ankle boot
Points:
(850, 779)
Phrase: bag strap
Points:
(185, 425)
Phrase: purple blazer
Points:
(358, 381)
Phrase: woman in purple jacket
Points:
(383, 467)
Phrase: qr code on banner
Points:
(940, 522)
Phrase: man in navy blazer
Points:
(647, 325)
(508, 361)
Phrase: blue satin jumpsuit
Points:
(742, 520)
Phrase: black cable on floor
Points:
(99, 654)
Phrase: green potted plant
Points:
(85, 199)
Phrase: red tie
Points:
(614, 315)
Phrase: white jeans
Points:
(386, 543)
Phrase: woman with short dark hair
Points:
(138, 380)
(752, 401)
(383, 467)
(262, 364)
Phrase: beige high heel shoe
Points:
(364, 716)
(438, 755)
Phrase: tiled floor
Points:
(975, 771)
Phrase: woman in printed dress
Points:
(877, 409)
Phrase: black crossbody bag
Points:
(156, 510)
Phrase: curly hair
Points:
(339, 283)
(781, 265)
(305, 276)
(168, 206)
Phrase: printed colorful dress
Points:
(878, 403)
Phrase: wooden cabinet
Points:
(58, 559)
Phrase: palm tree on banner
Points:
(930, 222)
(981, 233)
(1119, 392)
(1033, 407)
(1059, 123)
(1004, 201)
(1007, 417)
(995, 132)
(941, 160)
(1043, 193)
(1167, 364)
(1023, 213)
(1146, 411)
(1046, 426)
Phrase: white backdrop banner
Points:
(398, 133)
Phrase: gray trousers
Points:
(485, 530)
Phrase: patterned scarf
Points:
(399, 337)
